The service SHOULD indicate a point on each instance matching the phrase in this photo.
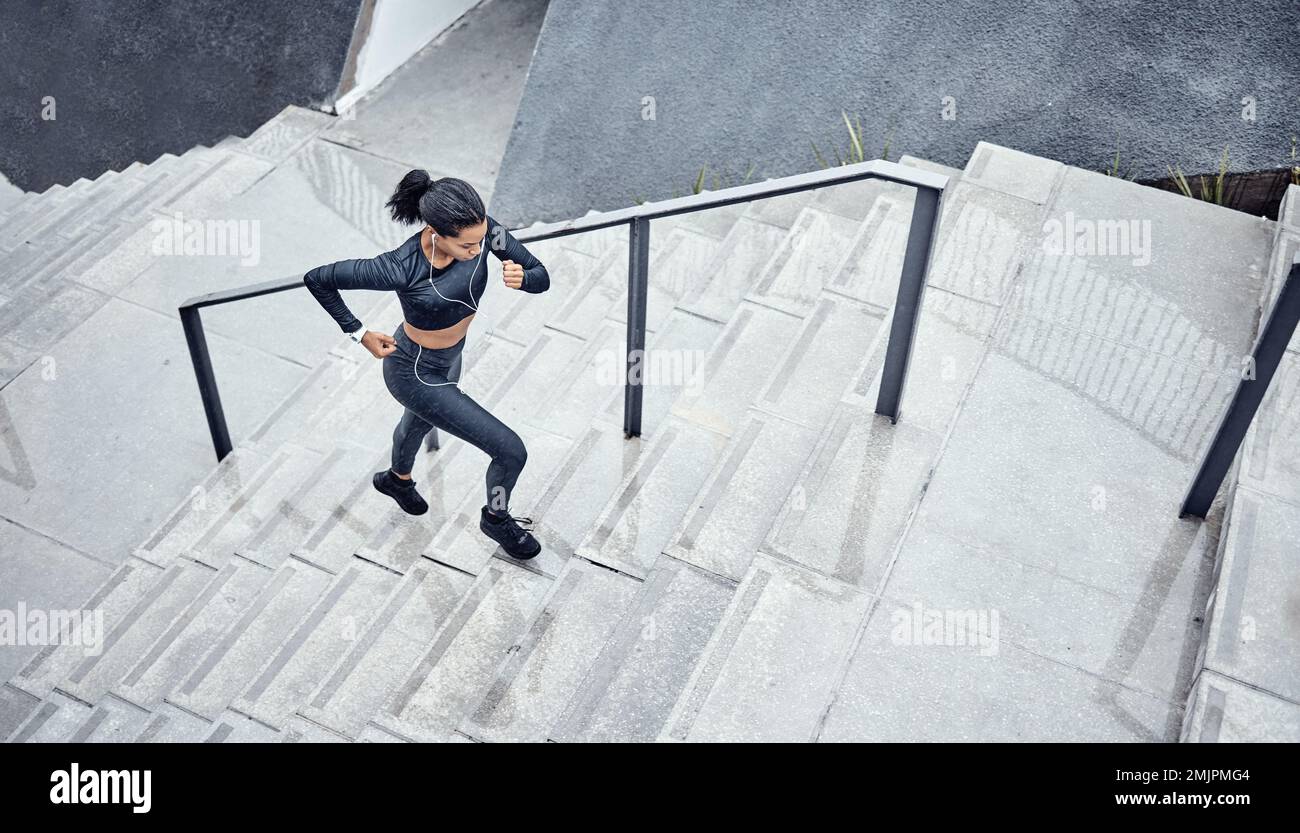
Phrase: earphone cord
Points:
(474, 307)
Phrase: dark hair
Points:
(447, 204)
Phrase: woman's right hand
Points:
(379, 344)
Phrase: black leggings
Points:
(434, 400)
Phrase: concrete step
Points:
(592, 471)
(458, 666)
(308, 504)
(546, 367)
(292, 417)
(264, 497)
(16, 706)
(675, 272)
(206, 502)
(286, 132)
(101, 212)
(641, 671)
(299, 729)
(1223, 710)
(874, 264)
(772, 664)
(385, 534)
(38, 318)
(342, 615)
(122, 596)
(57, 720)
(15, 231)
(731, 377)
(174, 655)
(1247, 687)
(517, 315)
(712, 222)
(723, 527)
(744, 253)
(529, 692)
(853, 497)
(232, 663)
(818, 366)
(674, 356)
(112, 721)
(953, 174)
(814, 249)
(176, 593)
(169, 724)
(235, 727)
(638, 522)
(386, 655)
(46, 226)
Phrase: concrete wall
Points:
(736, 82)
(133, 80)
(397, 30)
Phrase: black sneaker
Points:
(402, 491)
(506, 531)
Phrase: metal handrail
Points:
(916, 264)
(1278, 330)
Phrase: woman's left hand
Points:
(512, 273)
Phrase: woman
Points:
(439, 277)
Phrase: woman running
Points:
(439, 277)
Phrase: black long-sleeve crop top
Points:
(431, 299)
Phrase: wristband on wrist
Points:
(358, 333)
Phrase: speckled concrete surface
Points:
(736, 83)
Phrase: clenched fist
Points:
(512, 273)
(379, 344)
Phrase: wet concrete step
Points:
(264, 497)
(529, 692)
(459, 665)
(819, 364)
(319, 498)
(774, 660)
(342, 615)
(675, 272)
(723, 527)
(639, 520)
(253, 641)
(171, 659)
(112, 720)
(125, 592)
(734, 371)
(674, 366)
(813, 251)
(628, 693)
(206, 502)
(168, 724)
(57, 720)
(392, 646)
(741, 257)
(176, 593)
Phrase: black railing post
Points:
(1265, 358)
(638, 291)
(907, 307)
(202, 360)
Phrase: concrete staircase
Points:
(1248, 686)
(763, 562)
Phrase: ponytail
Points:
(405, 202)
(448, 204)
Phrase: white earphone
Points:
(473, 306)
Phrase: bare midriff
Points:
(438, 339)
